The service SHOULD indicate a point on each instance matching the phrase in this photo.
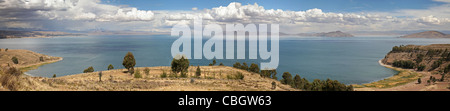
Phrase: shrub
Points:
(221, 64)
(244, 66)
(163, 75)
(198, 72)
(100, 76)
(274, 85)
(41, 59)
(419, 81)
(237, 65)
(238, 75)
(129, 62)
(89, 69)
(54, 75)
(254, 68)
(147, 71)
(214, 62)
(15, 60)
(137, 74)
(6, 50)
(110, 66)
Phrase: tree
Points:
(419, 81)
(254, 68)
(274, 85)
(15, 60)
(89, 69)
(214, 62)
(287, 78)
(237, 65)
(100, 76)
(54, 75)
(129, 62)
(179, 65)
(110, 66)
(298, 82)
(6, 50)
(198, 72)
(244, 66)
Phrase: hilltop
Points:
(427, 34)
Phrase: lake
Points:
(349, 60)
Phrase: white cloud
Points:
(93, 14)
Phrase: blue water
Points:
(349, 60)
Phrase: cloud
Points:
(76, 10)
(93, 14)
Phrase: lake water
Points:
(349, 60)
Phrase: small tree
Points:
(147, 71)
(419, 81)
(287, 78)
(110, 66)
(198, 72)
(41, 59)
(100, 76)
(54, 75)
(179, 65)
(15, 60)
(129, 62)
(6, 50)
(274, 85)
(214, 62)
(89, 69)
(254, 68)
(137, 74)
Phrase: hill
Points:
(427, 34)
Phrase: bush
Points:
(54, 75)
(237, 65)
(129, 62)
(15, 60)
(238, 76)
(221, 64)
(254, 68)
(41, 59)
(147, 71)
(89, 69)
(6, 50)
(137, 74)
(198, 72)
(163, 75)
(110, 66)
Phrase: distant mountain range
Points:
(323, 34)
(31, 34)
(427, 34)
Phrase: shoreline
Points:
(409, 85)
(29, 67)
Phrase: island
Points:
(322, 34)
(427, 34)
(34, 34)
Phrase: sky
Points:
(294, 16)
